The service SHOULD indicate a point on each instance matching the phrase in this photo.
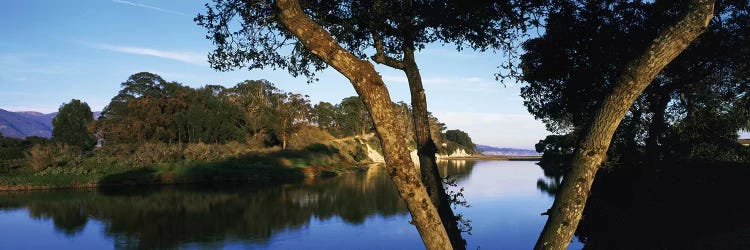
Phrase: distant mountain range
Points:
(27, 123)
(490, 150)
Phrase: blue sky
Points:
(53, 51)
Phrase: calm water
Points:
(353, 211)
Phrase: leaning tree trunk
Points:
(426, 151)
(569, 203)
(426, 148)
(370, 87)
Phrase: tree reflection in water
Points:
(677, 205)
(172, 217)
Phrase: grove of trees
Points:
(339, 34)
(150, 109)
(630, 86)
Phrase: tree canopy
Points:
(315, 35)
(246, 37)
(151, 109)
(155, 110)
(460, 137)
(699, 99)
(70, 126)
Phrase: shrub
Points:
(306, 136)
(119, 150)
(66, 155)
(234, 149)
(150, 153)
(360, 154)
(39, 157)
(200, 151)
(256, 141)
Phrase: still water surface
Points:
(352, 211)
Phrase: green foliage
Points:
(159, 163)
(144, 110)
(573, 65)
(209, 117)
(308, 135)
(14, 148)
(150, 109)
(149, 153)
(461, 138)
(348, 118)
(70, 126)
(360, 154)
(324, 115)
(557, 150)
(39, 157)
(352, 117)
(709, 136)
(42, 156)
(152, 122)
(254, 42)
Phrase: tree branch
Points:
(567, 210)
(381, 58)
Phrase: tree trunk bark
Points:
(283, 140)
(426, 150)
(571, 199)
(370, 87)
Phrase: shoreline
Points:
(492, 158)
(168, 179)
(272, 175)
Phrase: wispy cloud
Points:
(187, 57)
(149, 7)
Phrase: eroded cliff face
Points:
(375, 155)
(458, 153)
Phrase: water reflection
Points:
(690, 205)
(174, 216)
(171, 217)
(549, 184)
(353, 211)
(455, 169)
(681, 208)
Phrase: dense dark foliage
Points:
(460, 137)
(258, 42)
(150, 109)
(155, 121)
(694, 108)
(70, 126)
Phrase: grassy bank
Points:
(254, 168)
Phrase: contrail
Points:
(149, 7)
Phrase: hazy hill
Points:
(27, 123)
(490, 150)
(23, 124)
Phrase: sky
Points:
(54, 51)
